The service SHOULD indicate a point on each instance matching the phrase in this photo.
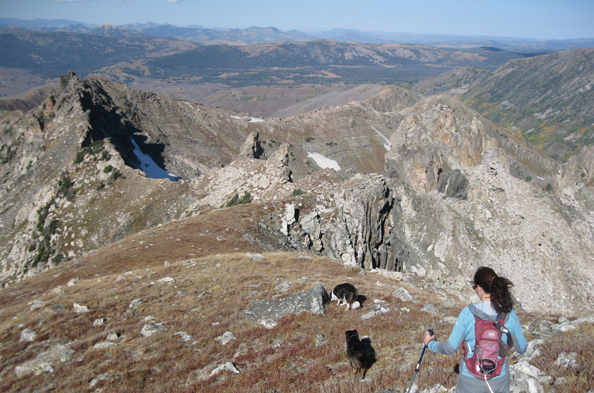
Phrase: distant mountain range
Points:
(131, 55)
(513, 88)
(52, 54)
(254, 35)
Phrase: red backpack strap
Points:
(465, 343)
(500, 325)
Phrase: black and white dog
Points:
(346, 294)
(356, 352)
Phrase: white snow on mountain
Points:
(324, 162)
(148, 165)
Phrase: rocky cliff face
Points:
(473, 195)
(428, 187)
(459, 193)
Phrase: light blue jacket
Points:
(464, 330)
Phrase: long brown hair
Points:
(496, 286)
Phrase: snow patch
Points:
(387, 145)
(148, 166)
(251, 119)
(324, 162)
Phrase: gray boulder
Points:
(404, 295)
(104, 345)
(28, 335)
(225, 338)
(45, 362)
(527, 378)
(225, 367)
(184, 336)
(151, 328)
(79, 309)
(313, 300)
(36, 304)
(430, 308)
(567, 360)
(99, 378)
(134, 303)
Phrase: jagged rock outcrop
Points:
(578, 170)
(355, 223)
(251, 148)
(261, 179)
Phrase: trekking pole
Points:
(419, 364)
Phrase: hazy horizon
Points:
(530, 19)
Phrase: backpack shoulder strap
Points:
(464, 345)
(500, 325)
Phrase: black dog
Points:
(346, 294)
(356, 352)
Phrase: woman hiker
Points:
(496, 303)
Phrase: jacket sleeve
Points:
(450, 346)
(517, 334)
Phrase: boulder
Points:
(404, 295)
(313, 300)
(100, 321)
(184, 336)
(99, 378)
(80, 309)
(430, 308)
(56, 309)
(151, 328)
(225, 367)
(225, 338)
(45, 362)
(27, 335)
(36, 304)
(104, 345)
(134, 303)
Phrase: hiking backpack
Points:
(489, 353)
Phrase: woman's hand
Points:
(428, 337)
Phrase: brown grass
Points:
(580, 341)
(207, 299)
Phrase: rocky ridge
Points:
(545, 99)
(448, 191)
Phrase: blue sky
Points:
(542, 19)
